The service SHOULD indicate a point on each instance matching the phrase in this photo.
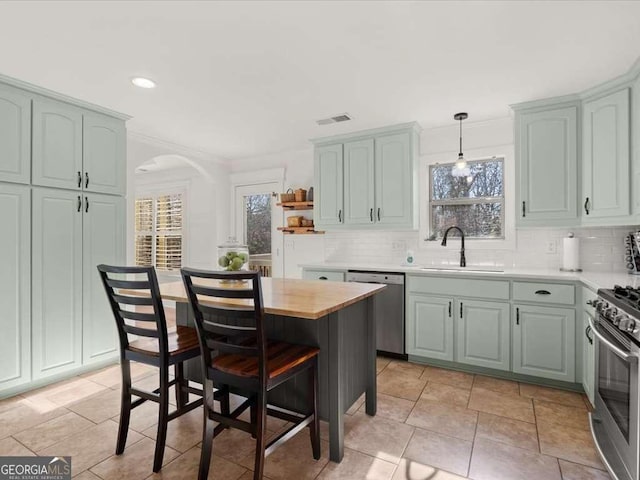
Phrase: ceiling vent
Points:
(344, 117)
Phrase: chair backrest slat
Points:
(115, 279)
(238, 313)
(129, 284)
(129, 300)
(143, 332)
(223, 292)
(228, 330)
(224, 327)
(138, 316)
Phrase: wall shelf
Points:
(296, 205)
(299, 230)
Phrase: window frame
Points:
(467, 200)
(155, 192)
(507, 245)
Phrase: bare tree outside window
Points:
(474, 203)
(258, 223)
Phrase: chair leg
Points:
(207, 435)
(182, 395)
(314, 426)
(253, 415)
(163, 418)
(261, 434)
(125, 406)
(225, 405)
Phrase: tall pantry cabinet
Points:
(62, 206)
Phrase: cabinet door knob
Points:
(543, 292)
(86, 204)
(586, 206)
(450, 303)
(86, 180)
(517, 316)
(524, 209)
(79, 203)
(371, 214)
(79, 179)
(461, 312)
(378, 213)
(340, 215)
(323, 278)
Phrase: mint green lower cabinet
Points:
(103, 241)
(57, 281)
(330, 275)
(483, 335)
(430, 326)
(544, 342)
(15, 284)
(588, 359)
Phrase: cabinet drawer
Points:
(544, 293)
(459, 287)
(331, 275)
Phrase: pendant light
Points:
(460, 169)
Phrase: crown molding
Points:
(415, 126)
(14, 82)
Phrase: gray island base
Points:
(347, 363)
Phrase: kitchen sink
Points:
(463, 269)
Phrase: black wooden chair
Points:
(237, 355)
(155, 346)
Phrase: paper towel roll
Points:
(570, 253)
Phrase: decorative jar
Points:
(233, 256)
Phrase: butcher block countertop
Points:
(311, 299)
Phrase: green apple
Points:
(223, 261)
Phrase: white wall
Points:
(206, 203)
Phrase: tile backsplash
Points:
(601, 249)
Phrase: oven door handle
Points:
(618, 351)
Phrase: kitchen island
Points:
(336, 317)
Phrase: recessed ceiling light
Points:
(143, 82)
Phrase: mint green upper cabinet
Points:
(102, 242)
(57, 281)
(57, 144)
(358, 182)
(15, 285)
(379, 190)
(328, 174)
(394, 170)
(547, 150)
(544, 342)
(605, 157)
(429, 328)
(15, 135)
(104, 154)
(483, 334)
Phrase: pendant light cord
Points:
(460, 154)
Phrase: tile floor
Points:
(431, 424)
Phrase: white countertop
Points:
(592, 280)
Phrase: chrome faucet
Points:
(463, 260)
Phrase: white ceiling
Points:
(239, 79)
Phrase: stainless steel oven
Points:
(614, 423)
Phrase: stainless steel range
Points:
(614, 423)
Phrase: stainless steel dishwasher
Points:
(388, 309)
